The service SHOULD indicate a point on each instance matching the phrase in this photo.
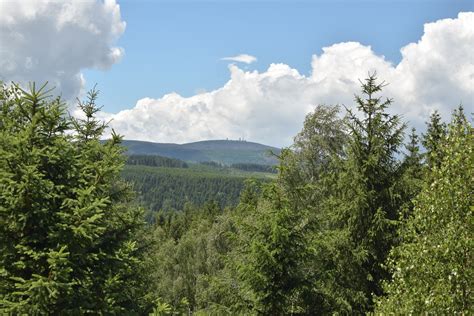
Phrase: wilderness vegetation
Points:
(355, 221)
(175, 184)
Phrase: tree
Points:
(433, 269)
(68, 228)
(412, 174)
(361, 208)
(274, 253)
(413, 161)
(302, 166)
(432, 140)
(322, 137)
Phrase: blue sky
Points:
(160, 68)
(176, 46)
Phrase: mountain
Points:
(226, 152)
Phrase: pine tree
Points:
(433, 271)
(68, 230)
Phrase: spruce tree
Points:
(432, 139)
(413, 160)
(412, 174)
(433, 269)
(362, 206)
(68, 230)
(274, 253)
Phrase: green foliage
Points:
(254, 167)
(347, 221)
(274, 252)
(188, 259)
(172, 188)
(412, 174)
(433, 268)
(315, 154)
(316, 240)
(68, 229)
(432, 140)
(356, 201)
(155, 161)
(163, 308)
(322, 139)
(213, 164)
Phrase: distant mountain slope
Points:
(170, 188)
(223, 151)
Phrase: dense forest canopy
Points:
(359, 218)
(164, 184)
(155, 161)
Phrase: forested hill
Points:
(222, 151)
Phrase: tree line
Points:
(358, 221)
(254, 167)
(155, 161)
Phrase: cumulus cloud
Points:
(242, 58)
(437, 72)
(51, 40)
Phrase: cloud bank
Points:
(437, 72)
(242, 58)
(50, 40)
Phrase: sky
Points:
(180, 71)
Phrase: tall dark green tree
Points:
(362, 204)
(412, 174)
(433, 138)
(68, 228)
(275, 251)
(413, 160)
(433, 270)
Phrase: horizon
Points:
(201, 141)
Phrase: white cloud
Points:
(51, 40)
(269, 107)
(242, 58)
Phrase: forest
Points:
(363, 216)
(161, 188)
(155, 161)
(162, 183)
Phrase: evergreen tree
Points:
(68, 230)
(433, 271)
(362, 205)
(432, 140)
(411, 174)
(413, 161)
(274, 253)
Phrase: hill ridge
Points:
(223, 151)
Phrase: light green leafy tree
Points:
(433, 271)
